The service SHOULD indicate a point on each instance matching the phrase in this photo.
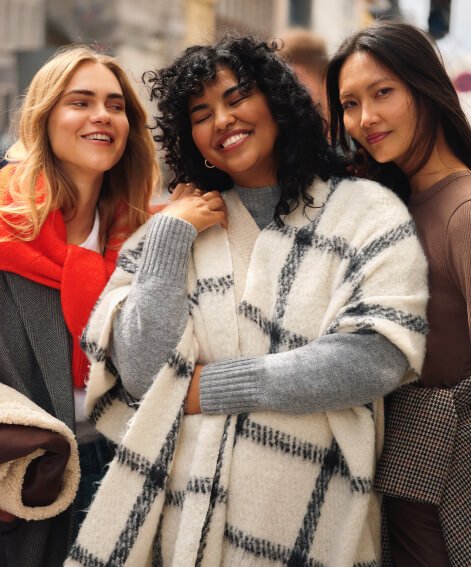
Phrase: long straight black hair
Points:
(414, 58)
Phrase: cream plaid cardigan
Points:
(260, 488)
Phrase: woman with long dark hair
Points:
(388, 90)
(256, 435)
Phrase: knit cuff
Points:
(167, 248)
(230, 386)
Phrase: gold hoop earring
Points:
(208, 164)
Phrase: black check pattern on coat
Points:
(331, 463)
(427, 458)
(155, 476)
(328, 461)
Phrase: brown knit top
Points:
(443, 217)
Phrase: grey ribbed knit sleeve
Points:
(152, 318)
(336, 371)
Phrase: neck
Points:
(441, 163)
(80, 218)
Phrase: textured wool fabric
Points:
(26, 365)
(414, 469)
(78, 273)
(17, 409)
(258, 488)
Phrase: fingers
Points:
(199, 208)
(183, 189)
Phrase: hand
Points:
(192, 403)
(202, 210)
(6, 517)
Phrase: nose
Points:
(101, 114)
(223, 118)
(368, 116)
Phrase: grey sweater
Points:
(334, 372)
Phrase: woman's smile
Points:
(231, 141)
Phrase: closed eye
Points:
(200, 119)
(238, 99)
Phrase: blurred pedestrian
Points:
(80, 182)
(306, 52)
(255, 440)
(390, 92)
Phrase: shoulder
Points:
(368, 193)
(459, 222)
(355, 205)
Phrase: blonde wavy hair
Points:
(128, 184)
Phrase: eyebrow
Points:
(225, 94)
(86, 92)
(371, 85)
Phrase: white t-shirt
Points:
(85, 430)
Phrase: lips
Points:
(377, 137)
(99, 137)
(232, 139)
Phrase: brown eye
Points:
(384, 91)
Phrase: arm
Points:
(458, 242)
(303, 380)
(152, 318)
(345, 367)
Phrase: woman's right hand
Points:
(200, 209)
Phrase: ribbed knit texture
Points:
(260, 202)
(163, 258)
(442, 215)
(232, 384)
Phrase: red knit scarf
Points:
(78, 273)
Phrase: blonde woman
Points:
(82, 184)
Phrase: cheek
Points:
(125, 130)
(349, 123)
(201, 138)
(53, 133)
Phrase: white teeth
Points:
(101, 137)
(233, 139)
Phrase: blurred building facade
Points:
(146, 34)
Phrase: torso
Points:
(442, 214)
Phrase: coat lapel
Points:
(40, 310)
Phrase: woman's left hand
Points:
(192, 404)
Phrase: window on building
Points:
(300, 13)
(439, 18)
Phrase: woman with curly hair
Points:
(78, 183)
(389, 91)
(258, 427)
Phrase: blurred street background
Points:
(147, 34)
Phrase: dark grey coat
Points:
(35, 359)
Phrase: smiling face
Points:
(379, 112)
(88, 126)
(235, 131)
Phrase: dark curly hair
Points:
(301, 148)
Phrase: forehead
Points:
(91, 76)
(362, 69)
(225, 79)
